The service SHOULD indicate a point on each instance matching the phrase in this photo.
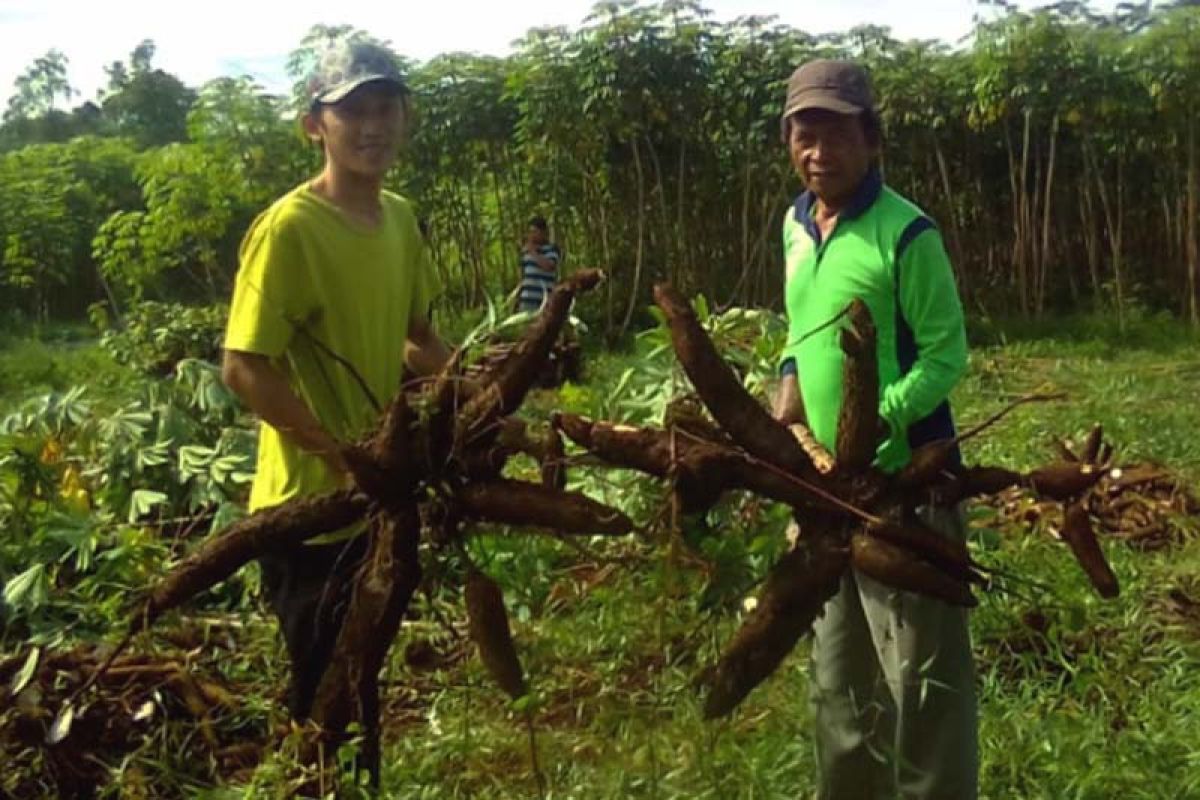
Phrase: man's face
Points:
(363, 131)
(830, 152)
(536, 235)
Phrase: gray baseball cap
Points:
(839, 86)
(345, 65)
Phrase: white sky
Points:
(205, 40)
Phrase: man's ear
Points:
(313, 129)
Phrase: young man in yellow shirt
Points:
(336, 266)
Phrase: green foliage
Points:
(53, 197)
(92, 494)
(155, 337)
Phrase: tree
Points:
(39, 87)
(148, 105)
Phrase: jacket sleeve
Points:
(928, 300)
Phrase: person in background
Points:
(540, 259)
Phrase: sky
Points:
(206, 40)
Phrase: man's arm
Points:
(266, 392)
(548, 262)
(929, 303)
(424, 351)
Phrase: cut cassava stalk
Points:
(503, 394)
(265, 531)
(741, 416)
(900, 569)
(349, 688)
(1078, 534)
(520, 503)
(821, 458)
(487, 623)
(795, 592)
(858, 418)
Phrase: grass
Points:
(1103, 704)
(54, 359)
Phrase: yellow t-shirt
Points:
(309, 276)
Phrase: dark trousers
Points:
(308, 588)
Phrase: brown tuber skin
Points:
(927, 463)
(519, 372)
(510, 502)
(1091, 445)
(900, 569)
(858, 419)
(1063, 481)
(487, 623)
(796, 591)
(738, 414)
(1078, 534)
(948, 555)
(271, 529)
(382, 590)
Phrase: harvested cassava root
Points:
(796, 590)
(441, 464)
(862, 518)
(858, 418)
(1078, 534)
(487, 623)
(892, 564)
(273, 529)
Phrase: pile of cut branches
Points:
(131, 700)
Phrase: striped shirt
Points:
(535, 281)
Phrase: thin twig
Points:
(354, 373)
(538, 775)
(1004, 412)
(104, 667)
(805, 337)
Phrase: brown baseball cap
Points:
(839, 86)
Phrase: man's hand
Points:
(424, 351)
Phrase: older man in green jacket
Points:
(893, 679)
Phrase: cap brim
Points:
(340, 91)
(834, 104)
